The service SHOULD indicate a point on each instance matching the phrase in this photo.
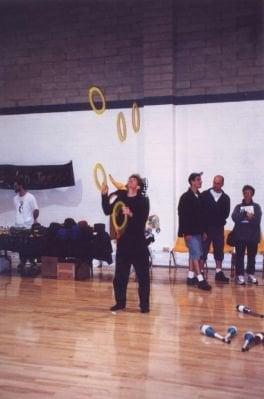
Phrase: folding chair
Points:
(261, 252)
(180, 247)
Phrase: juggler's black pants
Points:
(141, 266)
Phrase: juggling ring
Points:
(118, 205)
(92, 91)
(135, 117)
(121, 126)
(100, 167)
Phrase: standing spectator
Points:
(216, 210)
(27, 213)
(192, 228)
(247, 218)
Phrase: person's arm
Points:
(227, 207)
(204, 207)
(144, 209)
(35, 208)
(107, 207)
(256, 218)
(237, 215)
(105, 200)
(35, 214)
(182, 217)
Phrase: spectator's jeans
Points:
(194, 245)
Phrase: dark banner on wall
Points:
(37, 177)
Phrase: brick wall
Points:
(218, 47)
(158, 64)
(52, 51)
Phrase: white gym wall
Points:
(218, 138)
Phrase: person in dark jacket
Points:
(247, 218)
(216, 206)
(192, 228)
(131, 244)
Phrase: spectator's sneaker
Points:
(191, 281)
(221, 277)
(203, 285)
(240, 280)
(252, 279)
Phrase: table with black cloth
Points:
(87, 246)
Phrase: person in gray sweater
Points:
(247, 218)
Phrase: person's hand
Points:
(104, 189)
(249, 215)
(127, 211)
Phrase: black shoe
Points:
(221, 277)
(191, 281)
(117, 306)
(144, 310)
(203, 285)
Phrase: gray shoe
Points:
(252, 279)
(240, 280)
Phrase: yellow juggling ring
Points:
(118, 205)
(91, 93)
(100, 167)
(121, 126)
(135, 117)
(119, 186)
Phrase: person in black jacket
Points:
(131, 245)
(192, 228)
(216, 206)
(247, 218)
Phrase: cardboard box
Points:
(66, 271)
(49, 266)
(83, 270)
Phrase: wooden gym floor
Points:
(59, 340)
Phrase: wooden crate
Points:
(83, 270)
(49, 266)
(66, 271)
